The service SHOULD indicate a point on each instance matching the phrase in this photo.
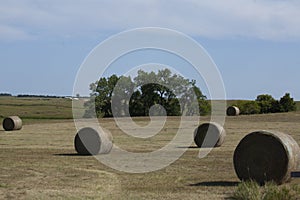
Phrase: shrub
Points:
(248, 107)
(265, 103)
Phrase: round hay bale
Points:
(266, 156)
(233, 111)
(89, 142)
(209, 135)
(12, 123)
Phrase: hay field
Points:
(36, 108)
(39, 162)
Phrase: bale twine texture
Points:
(233, 111)
(266, 156)
(209, 135)
(90, 142)
(12, 123)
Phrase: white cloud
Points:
(266, 19)
(9, 33)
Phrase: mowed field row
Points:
(39, 161)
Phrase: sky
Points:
(254, 43)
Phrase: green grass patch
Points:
(36, 108)
(2, 185)
(250, 190)
(298, 105)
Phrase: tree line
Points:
(30, 96)
(5, 95)
(38, 96)
(265, 103)
(149, 93)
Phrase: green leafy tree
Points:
(287, 103)
(266, 103)
(204, 106)
(162, 92)
(193, 101)
(276, 107)
(159, 89)
(121, 96)
(101, 95)
(136, 106)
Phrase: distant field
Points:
(39, 161)
(32, 109)
(298, 105)
(36, 109)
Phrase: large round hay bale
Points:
(90, 142)
(209, 135)
(233, 111)
(12, 123)
(266, 156)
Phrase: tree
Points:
(204, 106)
(287, 103)
(101, 97)
(136, 106)
(266, 103)
(120, 100)
(158, 93)
(5, 94)
(276, 107)
(161, 88)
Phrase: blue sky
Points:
(255, 44)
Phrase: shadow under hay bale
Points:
(69, 155)
(12, 123)
(265, 156)
(233, 111)
(216, 184)
(89, 142)
(209, 135)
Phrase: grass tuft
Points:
(2, 185)
(250, 190)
